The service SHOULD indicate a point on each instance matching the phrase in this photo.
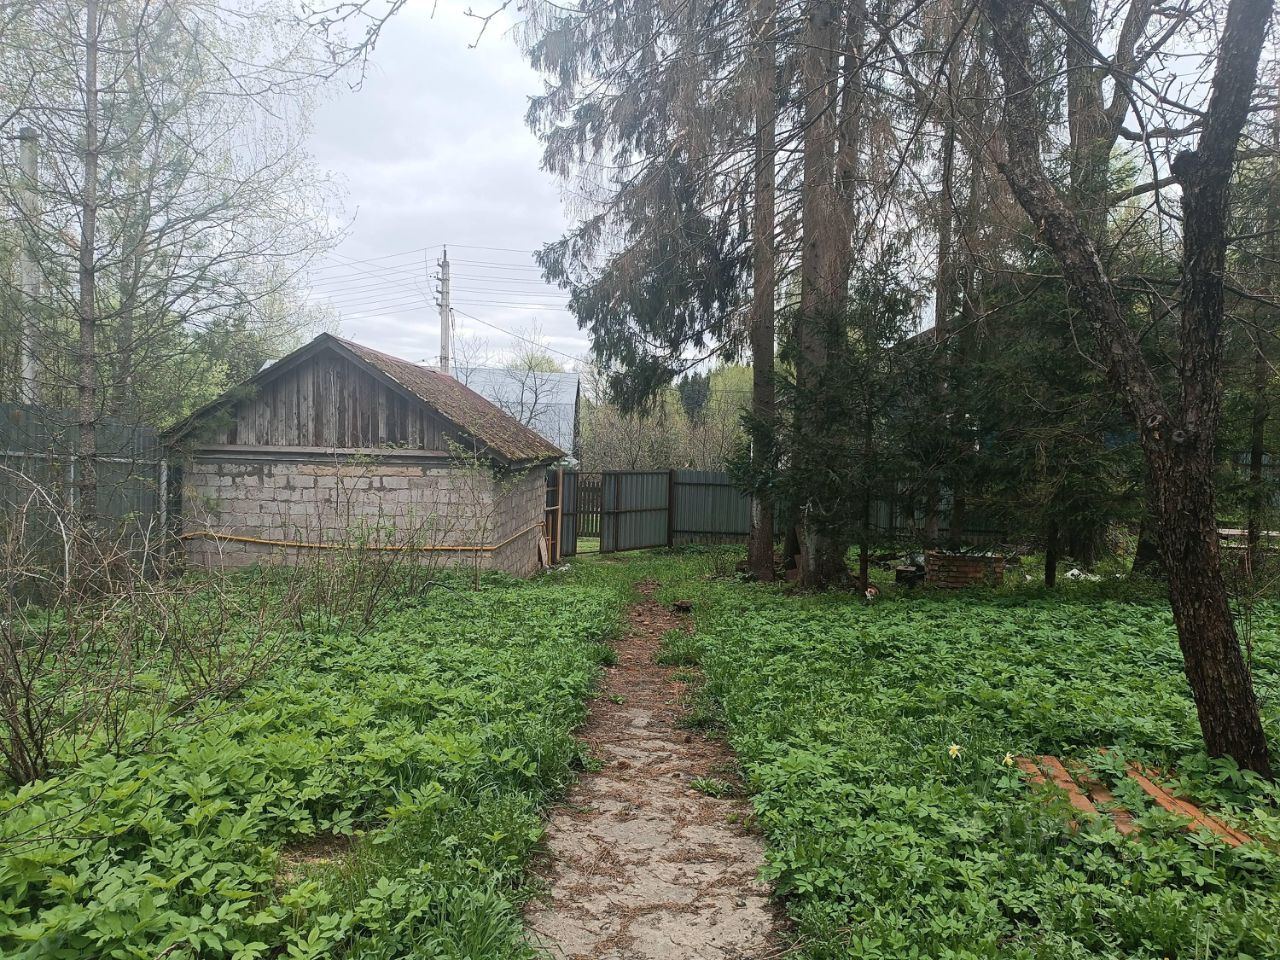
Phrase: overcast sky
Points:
(433, 149)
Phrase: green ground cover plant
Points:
(375, 795)
(885, 845)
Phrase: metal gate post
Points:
(671, 509)
(617, 511)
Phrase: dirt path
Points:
(640, 865)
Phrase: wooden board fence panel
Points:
(588, 493)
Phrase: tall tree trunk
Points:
(134, 217)
(1093, 126)
(760, 547)
(124, 396)
(1146, 557)
(932, 521)
(944, 305)
(86, 381)
(823, 285)
(791, 547)
(1089, 153)
(1177, 441)
(864, 524)
(944, 281)
(967, 266)
(944, 285)
(959, 515)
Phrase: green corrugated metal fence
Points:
(635, 509)
(707, 507)
(38, 448)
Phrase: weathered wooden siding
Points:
(326, 401)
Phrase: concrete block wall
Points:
(521, 501)
(431, 503)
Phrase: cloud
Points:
(433, 149)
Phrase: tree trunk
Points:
(133, 219)
(959, 514)
(760, 547)
(1216, 669)
(864, 525)
(1261, 367)
(943, 291)
(945, 281)
(123, 393)
(1091, 139)
(1093, 127)
(1051, 555)
(791, 546)
(823, 272)
(932, 522)
(86, 381)
(1146, 558)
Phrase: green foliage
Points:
(679, 649)
(669, 290)
(431, 741)
(712, 786)
(887, 847)
(1053, 446)
(694, 390)
(838, 451)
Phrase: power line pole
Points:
(445, 312)
(29, 145)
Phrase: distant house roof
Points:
(544, 401)
(466, 409)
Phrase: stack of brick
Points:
(956, 570)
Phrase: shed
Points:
(338, 445)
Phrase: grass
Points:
(378, 796)
(885, 846)
(374, 797)
(679, 649)
(712, 786)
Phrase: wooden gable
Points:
(327, 401)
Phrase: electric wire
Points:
(529, 340)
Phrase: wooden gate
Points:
(588, 505)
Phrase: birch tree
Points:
(175, 195)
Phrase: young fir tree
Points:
(837, 486)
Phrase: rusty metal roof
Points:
(502, 433)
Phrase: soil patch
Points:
(297, 858)
(639, 864)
